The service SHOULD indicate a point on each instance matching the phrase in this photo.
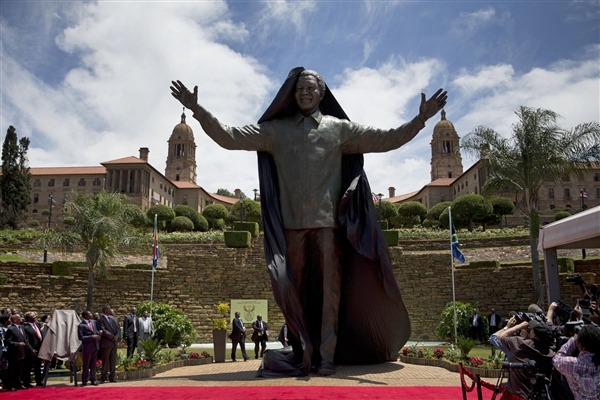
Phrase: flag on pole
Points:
(155, 244)
(456, 252)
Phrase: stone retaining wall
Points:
(194, 277)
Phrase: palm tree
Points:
(538, 152)
(103, 223)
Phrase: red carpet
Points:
(239, 392)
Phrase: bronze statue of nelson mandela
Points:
(327, 259)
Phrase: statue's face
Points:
(308, 96)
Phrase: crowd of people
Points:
(100, 333)
(552, 355)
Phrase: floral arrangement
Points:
(451, 355)
(221, 323)
(193, 355)
(205, 354)
(438, 353)
(141, 364)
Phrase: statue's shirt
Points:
(308, 155)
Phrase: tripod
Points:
(540, 383)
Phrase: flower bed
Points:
(146, 371)
(449, 360)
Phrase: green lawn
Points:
(13, 258)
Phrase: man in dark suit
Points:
(494, 322)
(260, 336)
(88, 333)
(18, 346)
(238, 335)
(476, 326)
(131, 331)
(111, 334)
(34, 337)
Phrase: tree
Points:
(215, 214)
(252, 211)
(411, 213)
(15, 181)
(227, 193)
(102, 224)
(164, 214)
(503, 207)
(433, 215)
(538, 152)
(470, 208)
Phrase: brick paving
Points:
(245, 374)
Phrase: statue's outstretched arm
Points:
(185, 97)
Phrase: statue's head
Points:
(310, 89)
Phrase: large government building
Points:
(448, 180)
(139, 180)
(133, 176)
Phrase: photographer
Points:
(533, 344)
(581, 371)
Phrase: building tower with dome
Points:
(446, 161)
(181, 157)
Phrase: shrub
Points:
(438, 353)
(445, 329)
(237, 239)
(69, 220)
(171, 326)
(411, 213)
(566, 265)
(164, 214)
(465, 345)
(61, 268)
(181, 224)
(252, 211)
(561, 214)
(215, 214)
(200, 223)
(34, 223)
(222, 321)
(251, 227)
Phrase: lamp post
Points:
(255, 194)
(241, 212)
(583, 195)
(379, 197)
(50, 205)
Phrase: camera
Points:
(526, 317)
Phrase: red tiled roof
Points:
(224, 199)
(185, 185)
(126, 160)
(67, 170)
(401, 197)
(442, 182)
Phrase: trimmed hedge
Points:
(484, 264)
(61, 268)
(139, 266)
(251, 227)
(391, 237)
(237, 239)
(566, 265)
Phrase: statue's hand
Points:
(181, 93)
(435, 103)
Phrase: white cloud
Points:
(468, 23)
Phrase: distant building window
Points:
(598, 193)
(177, 177)
(467, 183)
(449, 174)
(66, 182)
(552, 206)
(161, 186)
(180, 150)
(36, 198)
(567, 194)
(51, 182)
(97, 182)
(81, 182)
(597, 177)
(37, 183)
(551, 193)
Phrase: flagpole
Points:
(154, 260)
(453, 287)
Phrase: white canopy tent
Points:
(579, 231)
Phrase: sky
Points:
(88, 82)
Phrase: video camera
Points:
(526, 317)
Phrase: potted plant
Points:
(220, 331)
